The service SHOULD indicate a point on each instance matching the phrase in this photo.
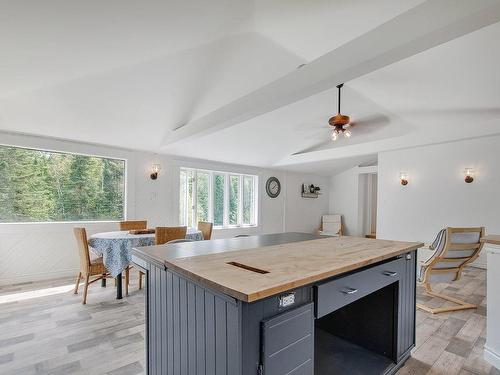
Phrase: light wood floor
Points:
(55, 334)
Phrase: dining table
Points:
(116, 249)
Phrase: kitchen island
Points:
(288, 303)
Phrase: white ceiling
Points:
(127, 73)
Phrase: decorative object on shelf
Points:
(273, 187)
(469, 175)
(310, 191)
(155, 169)
(403, 177)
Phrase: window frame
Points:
(92, 155)
(193, 172)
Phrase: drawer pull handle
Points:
(350, 291)
(390, 273)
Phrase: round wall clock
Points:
(273, 187)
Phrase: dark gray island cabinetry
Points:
(288, 303)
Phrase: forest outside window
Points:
(46, 186)
(226, 199)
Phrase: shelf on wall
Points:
(310, 195)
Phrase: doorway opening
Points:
(367, 204)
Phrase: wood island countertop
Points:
(254, 268)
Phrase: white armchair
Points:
(453, 249)
(331, 225)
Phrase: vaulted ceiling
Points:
(225, 74)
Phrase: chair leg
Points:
(77, 283)
(85, 290)
(462, 305)
(127, 279)
(140, 279)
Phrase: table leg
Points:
(103, 282)
(119, 286)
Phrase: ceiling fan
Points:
(340, 123)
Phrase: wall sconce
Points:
(469, 175)
(155, 169)
(403, 177)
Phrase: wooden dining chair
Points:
(133, 225)
(162, 236)
(165, 234)
(88, 267)
(454, 248)
(129, 225)
(206, 229)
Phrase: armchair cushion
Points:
(331, 224)
(439, 245)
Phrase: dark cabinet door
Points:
(288, 342)
(406, 308)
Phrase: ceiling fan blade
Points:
(470, 111)
(313, 147)
(311, 126)
(373, 120)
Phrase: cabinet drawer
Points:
(334, 294)
(288, 342)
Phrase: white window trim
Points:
(88, 154)
(211, 192)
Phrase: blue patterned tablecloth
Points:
(116, 247)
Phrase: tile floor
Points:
(44, 329)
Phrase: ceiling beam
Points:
(427, 25)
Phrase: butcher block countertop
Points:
(257, 267)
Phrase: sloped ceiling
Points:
(126, 73)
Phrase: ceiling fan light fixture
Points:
(340, 123)
(334, 135)
(339, 119)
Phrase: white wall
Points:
(304, 214)
(158, 200)
(437, 195)
(47, 250)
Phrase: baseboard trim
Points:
(492, 357)
(38, 277)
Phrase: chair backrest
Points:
(83, 248)
(331, 223)
(454, 248)
(206, 229)
(180, 240)
(166, 234)
(133, 224)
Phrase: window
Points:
(226, 199)
(43, 186)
